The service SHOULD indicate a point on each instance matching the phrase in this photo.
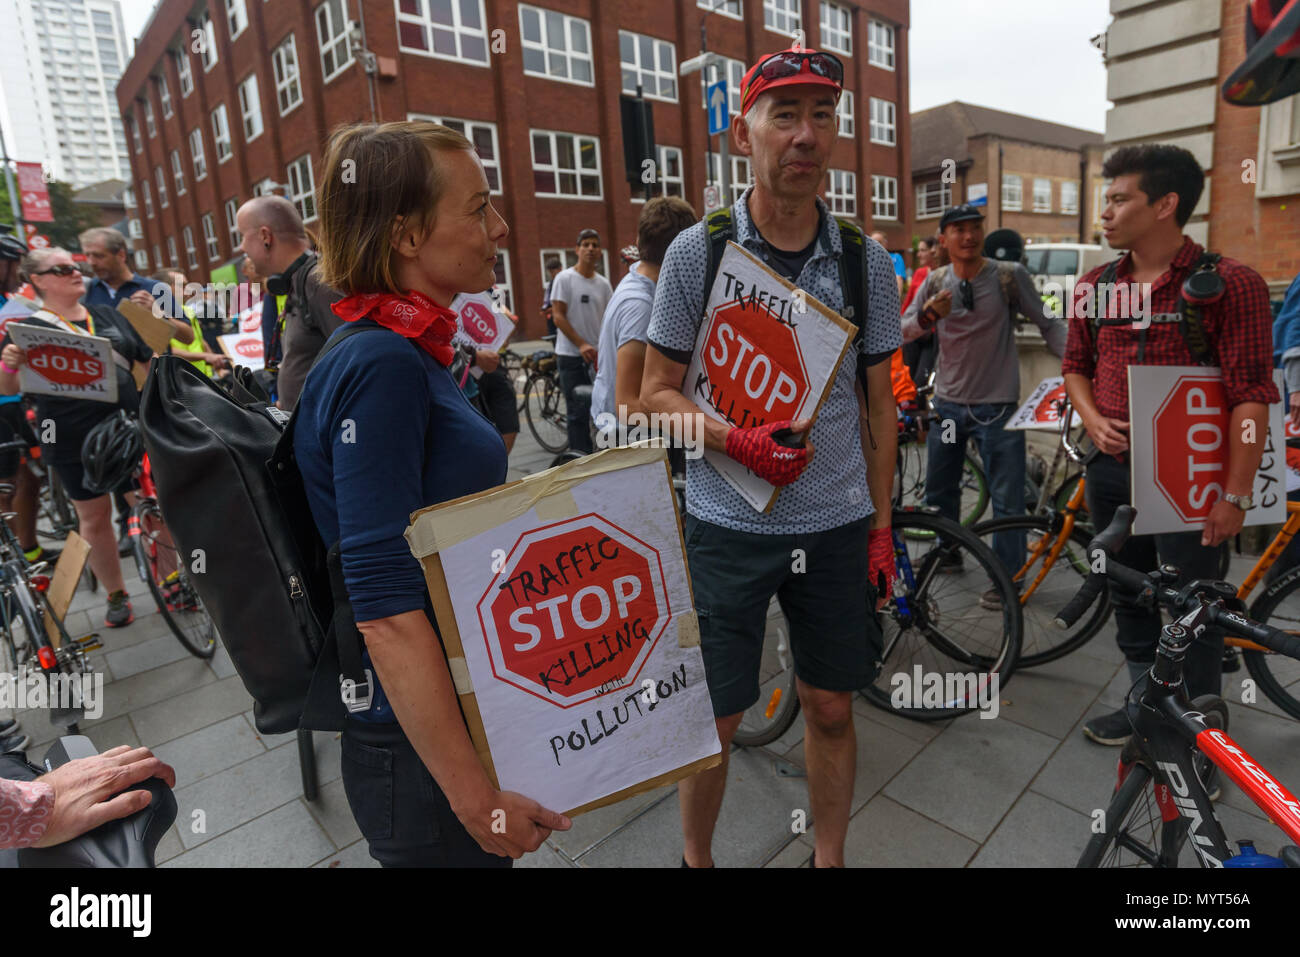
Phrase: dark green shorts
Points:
(827, 602)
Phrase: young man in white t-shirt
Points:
(578, 301)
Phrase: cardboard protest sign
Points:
(1179, 440)
(1042, 409)
(250, 320)
(766, 352)
(156, 333)
(566, 615)
(244, 348)
(480, 324)
(67, 572)
(65, 364)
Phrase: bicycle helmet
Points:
(1271, 70)
(111, 453)
(11, 247)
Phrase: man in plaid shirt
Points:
(1153, 191)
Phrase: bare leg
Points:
(701, 799)
(830, 751)
(95, 516)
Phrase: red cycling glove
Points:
(880, 560)
(755, 449)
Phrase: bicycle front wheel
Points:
(544, 409)
(778, 700)
(909, 488)
(952, 629)
(1278, 676)
(1041, 598)
(161, 568)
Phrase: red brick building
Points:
(226, 99)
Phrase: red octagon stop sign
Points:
(249, 348)
(1190, 431)
(478, 322)
(65, 365)
(755, 369)
(575, 611)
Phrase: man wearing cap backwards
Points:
(579, 296)
(827, 535)
(977, 388)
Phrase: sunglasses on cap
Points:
(60, 271)
(788, 63)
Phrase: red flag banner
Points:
(35, 195)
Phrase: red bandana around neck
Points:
(412, 315)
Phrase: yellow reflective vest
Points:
(197, 345)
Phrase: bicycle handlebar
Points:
(1151, 587)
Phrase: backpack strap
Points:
(1100, 295)
(1007, 285)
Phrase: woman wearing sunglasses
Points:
(62, 423)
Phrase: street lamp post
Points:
(703, 62)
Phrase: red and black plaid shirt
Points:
(1239, 328)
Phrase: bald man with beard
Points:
(275, 242)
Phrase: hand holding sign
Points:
(763, 454)
(526, 823)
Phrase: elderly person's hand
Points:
(84, 790)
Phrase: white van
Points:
(1064, 263)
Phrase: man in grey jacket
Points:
(971, 308)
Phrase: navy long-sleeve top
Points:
(383, 430)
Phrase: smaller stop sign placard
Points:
(65, 365)
(754, 367)
(249, 348)
(479, 322)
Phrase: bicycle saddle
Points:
(129, 842)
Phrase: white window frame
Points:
(779, 18)
(884, 122)
(157, 255)
(503, 291)
(250, 107)
(842, 192)
(1279, 148)
(569, 257)
(466, 128)
(141, 261)
(178, 173)
(134, 229)
(457, 29)
(210, 237)
(297, 194)
(149, 123)
(191, 256)
(662, 180)
(555, 169)
(548, 51)
(734, 71)
(147, 195)
(333, 38)
(236, 18)
(846, 123)
(1042, 195)
(209, 44)
(198, 157)
(924, 210)
(232, 209)
(1098, 202)
(184, 72)
(165, 96)
(221, 134)
(1012, 186)
(265, 187)
(837, 28)
(1070, 197)
(288, 85)
(884, 197)
(735, 9)
(642, 72)
(136, 139)
(741, 174)
(161, 178)
(881, 44)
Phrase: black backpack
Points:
(228, 485)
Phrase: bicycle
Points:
(1162, 797)
(544, 402)
(513, 365)
(163, 570)
(1056, 561)
(932, 625)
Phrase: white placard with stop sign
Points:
(1042, 410)
(64, 363)
(244, 349)
(565, 607)
(480, 324)
(1179, 439)
(766, 351)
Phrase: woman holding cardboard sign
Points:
(383, 430)
(63, 422)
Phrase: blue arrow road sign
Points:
(719, 115)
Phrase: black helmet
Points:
(11, 247)
(111, 453)
(1271, 70)
(1004, 245)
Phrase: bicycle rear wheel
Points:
(161, 568)
(544, 409)
(778, 701)
(951, 630)
(1040, 602)
(1278, 676)
(909, 486)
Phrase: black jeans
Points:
(401, 811)
(1137, 629)
(573, 373)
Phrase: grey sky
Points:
(1022, 56)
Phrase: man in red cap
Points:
(826, 541)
